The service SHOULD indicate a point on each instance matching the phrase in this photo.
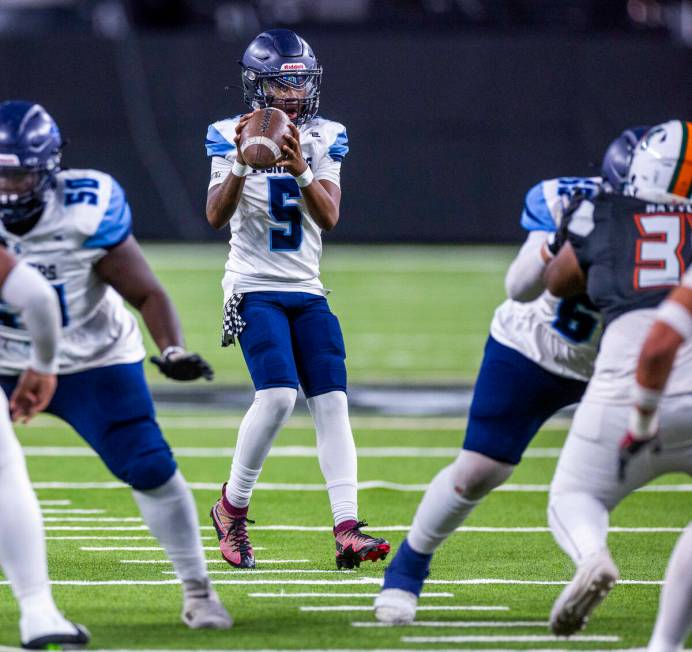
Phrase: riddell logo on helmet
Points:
(292, 66)
(10, 160)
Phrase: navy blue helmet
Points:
(279, 69)
(30, 146)
(617, 157)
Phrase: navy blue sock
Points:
(408, 570)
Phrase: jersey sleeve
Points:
(582, 234)
(116, 223)
(538, 214)
(218, 143)
(329, 166)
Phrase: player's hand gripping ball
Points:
(262, 136)
(181, 365)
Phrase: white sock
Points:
(452, 496)
(579, 523)
(674, 621)
(267, 415)
(441, 511)
(336, 451)
(170, 513)
(22, 546)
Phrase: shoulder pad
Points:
(334, 136)
(220, 137)
(102, 213)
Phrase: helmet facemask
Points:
(23, 196)
(297, 92)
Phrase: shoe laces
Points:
(356, 533)
(238, 528)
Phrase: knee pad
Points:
(277, 402)
(150, 470)
(476, 475)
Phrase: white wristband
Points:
(240, 170)
(643, 420)
(306, 178)
(677, 317)
(169, 350)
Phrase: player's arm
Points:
(127, 271)
(24, 288)
(672, 327)
(564, 276)
(322, 198)
(524, 278)
(223, 198)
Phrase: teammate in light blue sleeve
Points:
(75, 227)
(538, 359)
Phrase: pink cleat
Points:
(353, 547)
(231, 528)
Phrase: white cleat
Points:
(395, 607)
(52, 631)
(592, 582)
(202, 608)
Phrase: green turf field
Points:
(493, 582)
(409, 314)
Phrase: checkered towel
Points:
(233, 323)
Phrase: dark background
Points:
(449, 123)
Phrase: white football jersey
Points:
(560, 335)
(617, 360)
(86, 214)
(275, 244)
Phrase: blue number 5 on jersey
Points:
(284, 194)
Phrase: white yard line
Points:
(73, 511)
(138, 548)
(336, 594)
(254, 571)
(325, 528)
(219, 561)
(499, 638)
(354, 607)
(55, 502)
(460, 623)
(368, 484)
(290, 451)
(363, 581)
(298, 422)
(4, 648)
(89, 519)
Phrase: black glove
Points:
(178, 364)
(629, 447)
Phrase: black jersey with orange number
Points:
(631, 251)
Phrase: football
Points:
(262, 138)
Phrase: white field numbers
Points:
(659, 261)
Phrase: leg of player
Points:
(23, 551)
(121, 427)
(170, 513)
(336, 451)
(267, 415)
(266, 345)
(451, 497)
(512, 398)
(320, 357)
(674, 621)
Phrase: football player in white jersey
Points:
(626, 252)
(22, 546)
(274, 300)
(74, 227)
(537, 360)
(672, 329)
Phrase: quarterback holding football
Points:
(274, 301)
